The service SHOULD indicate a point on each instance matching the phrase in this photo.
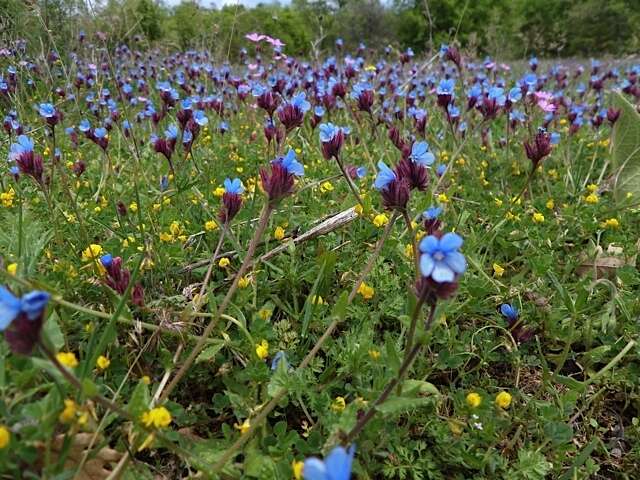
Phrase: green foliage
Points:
(626, 149)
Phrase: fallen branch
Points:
(329, 225)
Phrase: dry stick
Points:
(406, 364)
(262, 225)
(264, 412)
(329, 225)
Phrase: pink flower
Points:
(276, 42)
(255, 37)
(545, 101)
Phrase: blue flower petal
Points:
(9, 308)
(456, 261)
(314, 469)
(34, 302)
(426, 265)
(450, 241)
(442, 273)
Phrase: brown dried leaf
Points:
(98, 465)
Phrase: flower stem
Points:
(414, 243)
(404, 368)
(280, 394)
(352, 187)
(262, 225)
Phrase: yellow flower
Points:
(224, 262)
(146, 379)
(244, 282)
(133, 206)
(612, 223)
(380, 220)
(166, 237)
(538, 217)
(503, 399)
(408, 250)
(358, 209)
(366, 291)
(5, 437)
(175, 228)
(498, 202)
(374, 354)
(158, 417)
(92, 252)
(262, 349)
(326, 187)
(474, 400)
(218, 192)
(278, 233)
(210, 226)
(592, 198)
(103, 362)
(12, 268)
(563, 121)
(264, 313)
(297, 468)
(592, 188)
(550, 204)
(68, 359)
(244, 427)
(442, 198)
(498, 271)
(69, 412)
(339, 404)
(7, 197)
(553, 173)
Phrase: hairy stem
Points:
(262, 225)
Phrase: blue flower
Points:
(361, 172)
(100, 132)
(515, 94)
(46, 110)
(31, 304)
(171, 133)
(497, 94)
(509, 312)
(300, 100)
(84, 126)
(291, 164)
(440, 257)
(385, 176)
(555, 138)
(446, 86)
(318, 111)
(337, 465)
(421, 155)
(24, 145)
(164, 183)
(328, 131)
(432, 213)
(233, 186)
(106, 260)
(187, 137)
(200, 118)
(441, 169)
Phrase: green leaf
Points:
(51, 331)
(89, 389)
(419, 386)
(140, 399)
(626, 148)
(210, 352)
(402, 404)
(558, 432)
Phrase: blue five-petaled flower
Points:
(440, 259)
(291, 164)
(233, 186)
(509, 312)
(31, 304)
(337, 465)
(421, 155)
(385, 176)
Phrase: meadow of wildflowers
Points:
(362, 267)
